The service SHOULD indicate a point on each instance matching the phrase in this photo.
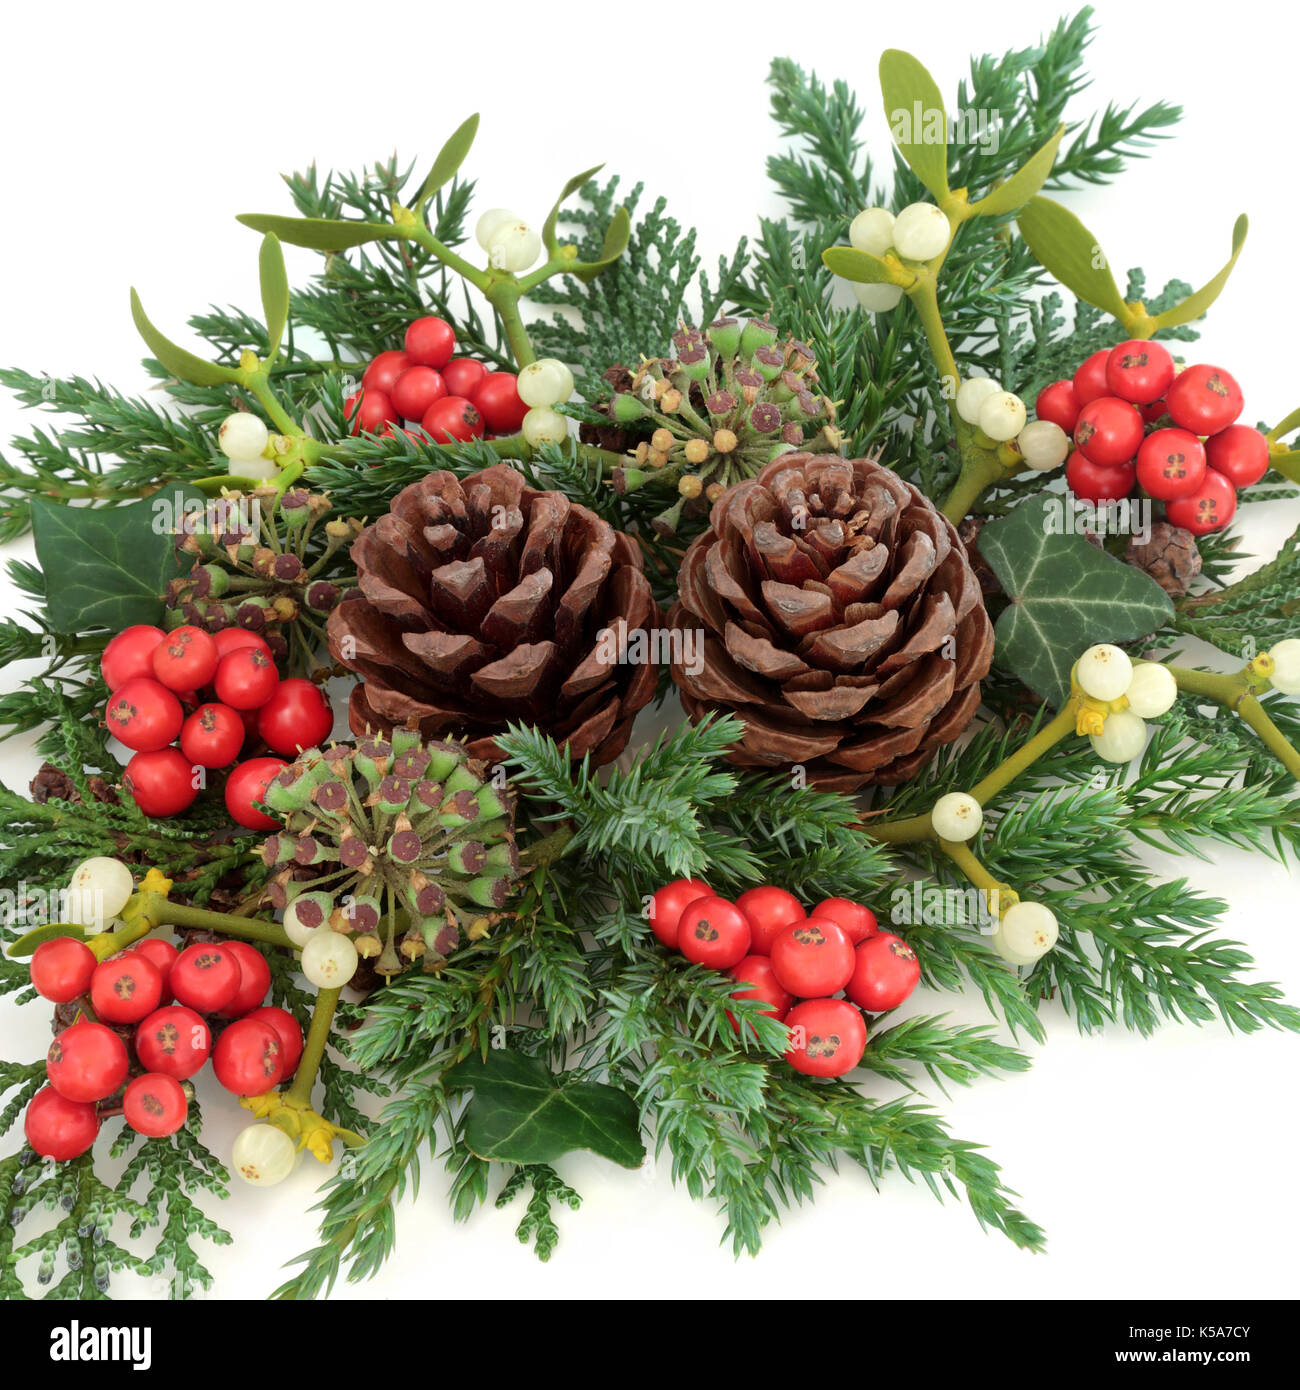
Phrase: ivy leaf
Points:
(180, 363)
(107, 567)
(521, 1113)
(318, 233)
(1070, 252)
(917, 119)
(450, 158)
(1196, 304)
(569, 189)
(1065, 595)
(1024, 184)
(275, 291)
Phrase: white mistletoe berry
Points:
(1104, 672)
(263, 1155)
(872, 230)
(329, 959)
(545, 382)
(957, 817)
(296, 931)
(257, 469)
(542, 425)
(242, 436)
(921, 232)
(1002, 415)
(1043, 445)
(491, 222)
(98, 891)
(1286, 666)
(1122, 739)
(972, 394)
(1025, 933)
(1152, 691)
(513, 246)
(877, 298)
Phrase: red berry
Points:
(254, 979)
(246, 678)
(86, 1062)
(885, 972)
(296, 717)
(126, 989)
(163, 956)
(1058, 404)
(452, 418)
(185, 659)
(498, 401)
(143, 714)
(174, 1040)
(248, 1059)
(62, 969)
(813, 958)
(827, 1037)
(462, 376)
(1108, 431)
(1240, 453)
(384, 370)
(369, 411)
(206, 977)
(247, 784)
(769, 910)
(212, 736)
(667, 904)
(130, 654)
(857, 921)
(1154, 412)
(1139, 372)
(230, 638)
(1171, 464)
(1090, 482)
(1089, 381)
(59, 1128)
(1204, 400)
(287, 1030)
(713, 932)
(416, 390)
(757, 972)
(155, 1104)
(1209, 508)
(161, 782)
(430, 342)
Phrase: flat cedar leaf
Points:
(1065, 595)
(851, 264)
(450, 158)
(107, 567)
(917, 119)
(569, 189)
(178, 362)
(521, 1113)
(615, 243)
(317, 233)
(275, 290)
(1070, 252)
(1196, 304)
(1024, 184)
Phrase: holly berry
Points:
(247, 1059)
(1089, 381)
(1240, 453)
(161, 782)
(1204, 400)
(430, 342)
(1171, 464)
(713, 932)
(857, 922)
(254, 979)
(186, 659)
(130, 654)
(1209, 508)
(813, 958)
(769, 911)
(246, 784)
(162, 954)
(59, 1128)
(286, 1029)
(231, 638)
(206, 977)
(382, 373)
(86, 1062)
(1154, 412)
(1108, 431)
(827, 1037)
(143, 714)
(1139, 372)
(885, 972)
(452, 418)
(1091, 482)
(155, 1104)
(212, 736)
(246, 678)
(174, 1040)
(667, 904)
(297, 716)
(462, 376)
(126, 989)
(369, 410)
(416, 390)
(757, 972)
(498, 400)
(62, 969)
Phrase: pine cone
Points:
(1169, 556)
(841, 620)
(480, 601)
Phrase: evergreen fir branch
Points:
(946, 1053)
(537, 1223)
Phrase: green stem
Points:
(504, 296)
(157, 911)
(996, 893)
(313, 1048)
(1237, 692)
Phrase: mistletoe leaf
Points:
(861, 266)
(1024, 184)
(1196, 304)
(450, 158)
(617, 235)
(275, 292)
(917, 119)
(318, 233)
(107, 567)
(569, 189)
(1065, 595)
(1070, 252)
(177, 360)
(521, 1113)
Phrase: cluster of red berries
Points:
(795, 962)
(1138, 419)
(450, 398)
(89, 1062)
(217, 693)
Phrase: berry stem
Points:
(158, 911)
(1237, 691)
(313, 1048)
(997, 895)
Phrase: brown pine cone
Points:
(1169, 555)
(481, 601)
(841, 621)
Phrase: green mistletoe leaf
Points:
(184, 365)
(851, 264)
(318, 233)
(275, 292)
(569, 189)
(521, 1113)
(1024, 184)
(450, 158)
(1070, 252)
(107, 567)
(917, 118)
(1065, 595)
(1196, 304)
(617, 235)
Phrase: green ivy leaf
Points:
(569, 189)
(1024, 184)
(107, 567)
(1065, 595)
(450, 158)
(1070, 252)
(318, 233)
(1196, 304)
(521, 1113)
(275, 291)
(851, 264)
(184, 365)
(917, 119)
(616, 238)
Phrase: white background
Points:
(136, 132)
